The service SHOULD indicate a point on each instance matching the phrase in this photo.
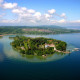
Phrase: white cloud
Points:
(31, 17)
(8, 21)
(37, 15)
(31, 11)
(24, 15)
(75, 21)
(47, 15)
(1, 16)
(17, 11)
(54, 21)
(23, 8)
(62, 21)
(9, 5)
(33, 21)
(59, 21)
(52, 11)
(63, 15)
(23, 11)
(1, 1)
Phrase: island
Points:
(38, 46)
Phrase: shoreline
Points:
(7, 34)
(40, 34)
(1, 35)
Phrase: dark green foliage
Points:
(36, 46)
(11, 30)
(61, 46)
(22, 51)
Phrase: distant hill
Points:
(46, 27)
(43, 29)
(73, 27)
(52, 26)
(40, 26)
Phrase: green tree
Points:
(26, 45)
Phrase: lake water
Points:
(15, 66)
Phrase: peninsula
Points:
(38, 46)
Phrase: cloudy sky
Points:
(40, 12)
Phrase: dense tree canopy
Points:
(36, 46)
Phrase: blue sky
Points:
(40, 12)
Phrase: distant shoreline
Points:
(6, 34)
(1, 35)
(36, 30)
(37, 34)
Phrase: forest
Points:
(38, 46)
